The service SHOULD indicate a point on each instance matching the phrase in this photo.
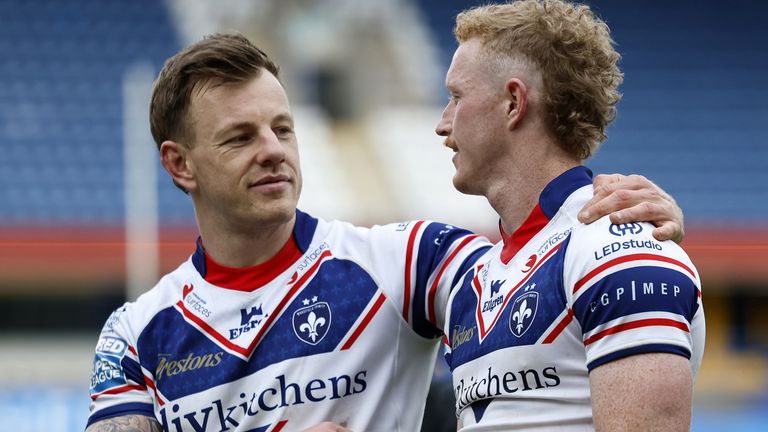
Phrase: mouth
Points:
(271, 182)
(451, 144)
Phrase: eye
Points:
(240, 139)
(283, 131)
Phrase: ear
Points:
(175, 159)
(517, 102)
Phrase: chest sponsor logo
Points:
(312, 321)
(240, 410)
(249, 319)
(496, 298)
(530, 263)
(620, 230)
(168, 366)
(494, 383)
(461, 335)
(553, 240)
(308, 260)
(524, 311)
(195, 302)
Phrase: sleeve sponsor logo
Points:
(636, 290)
(111, 346)
(620, 230)
(113, 320)
(614, 247)
(439, 239)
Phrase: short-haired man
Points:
(561, 326)
(278, 321)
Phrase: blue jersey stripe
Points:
(435, 243)
(636, 290)
(643, 349)
(121, 410)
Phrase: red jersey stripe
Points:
(560, 327)
(118, 390)
(628, 258)
(364, 323)
(650, 322)
(433, 288)
(408, 264)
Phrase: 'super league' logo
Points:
(311, 322)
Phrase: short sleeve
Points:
(630, 293)
(117, 385)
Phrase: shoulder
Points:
(602, 241)
(164, 294)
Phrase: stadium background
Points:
(84, 224)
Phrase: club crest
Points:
(523, 312)
(311, 322)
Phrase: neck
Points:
(515, 195)
(244, 248)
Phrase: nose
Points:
(271, 150)
(444, 127)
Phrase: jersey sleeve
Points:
(117, 382)
(430, 257)
(630, 293)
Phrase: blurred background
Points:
(88, 219)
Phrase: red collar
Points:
(252, 278)
(515, 241)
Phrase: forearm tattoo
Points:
(129, 423)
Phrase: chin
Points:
(465, 186)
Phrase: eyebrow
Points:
(228, 129)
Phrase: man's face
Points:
(245, 155)
(472, 121)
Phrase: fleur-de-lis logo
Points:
(313, 322)
(521, 314)
(524, 312)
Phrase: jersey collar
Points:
(551, 199)
(252, 278)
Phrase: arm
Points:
(129, 423)
(646, 392)
(634, 198)
(327, 427)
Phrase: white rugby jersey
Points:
(342, 325)
(556, 299)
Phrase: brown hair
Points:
(573, 51)
(226, 58)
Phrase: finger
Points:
(607, 184)
(617, 200)
(620, 181)
(605, 179)
(642, 212)
(669, 231)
